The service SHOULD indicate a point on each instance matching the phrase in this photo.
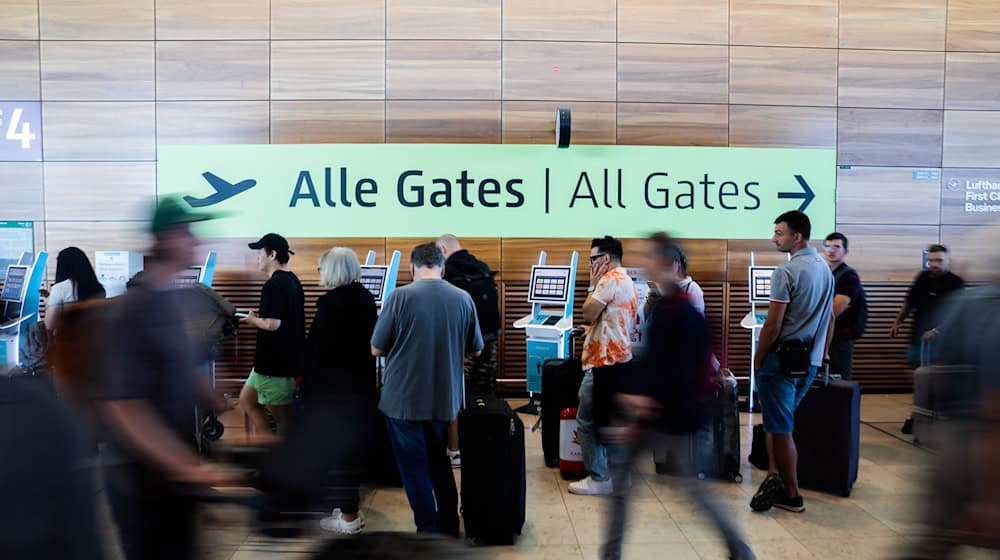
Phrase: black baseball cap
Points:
(272, 242)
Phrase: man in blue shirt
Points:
(793, 343)
(425, 331)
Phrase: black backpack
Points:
(483, 290)
(861, 318)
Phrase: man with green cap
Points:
(147, 394)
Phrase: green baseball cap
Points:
(172, 210)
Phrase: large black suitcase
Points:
(715, 449)
(827, 436)
(561, 380)
(491, 437)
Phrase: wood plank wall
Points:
(905, 90)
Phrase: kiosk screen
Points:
(188, 278)
(550, 284)
(760, 283)
(373, 278)
(13, 286)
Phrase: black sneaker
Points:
(791, 504)
(908, 426)
(770, 491)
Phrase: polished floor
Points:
(880, 516)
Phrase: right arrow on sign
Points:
(807, 195)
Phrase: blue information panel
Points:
(15, 238)
(20, 131)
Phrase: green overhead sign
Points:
(478, 190)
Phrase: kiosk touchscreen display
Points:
(13, 286)
(373, 278)
(188, 278)
(760, 283)
(550, 284)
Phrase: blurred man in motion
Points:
(146, 395)
(662, 401)
(963, 501)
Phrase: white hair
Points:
(338, 267)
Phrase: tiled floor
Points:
(876, 520)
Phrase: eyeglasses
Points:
(593, 258)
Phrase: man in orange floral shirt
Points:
(611, 311)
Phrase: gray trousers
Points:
(622, 459)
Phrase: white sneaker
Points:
(336, 524)
(591, 487)
(456, 459)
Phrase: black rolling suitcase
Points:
(561, 380)
(491, 437)
(715, 449)
(827, 436)
(941, 393)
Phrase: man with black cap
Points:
(281, 327)
(146, 395)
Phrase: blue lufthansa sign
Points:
(20, 131)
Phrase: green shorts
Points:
(271, 390)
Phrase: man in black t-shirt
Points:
(923, 300)
(848, 305)
(281, 326)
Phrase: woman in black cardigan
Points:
(340, 372)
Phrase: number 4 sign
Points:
(20, 131)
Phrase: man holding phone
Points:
(611, 313)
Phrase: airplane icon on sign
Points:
(224, 190)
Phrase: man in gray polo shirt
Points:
(793, 343)
(425, 331)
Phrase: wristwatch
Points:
(590, 290)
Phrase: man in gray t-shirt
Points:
(425, 331)
(799, 316)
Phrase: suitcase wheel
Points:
(846, 492)
(212, 429)
(738, 478)
(701, 476)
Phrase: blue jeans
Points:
(780, 395)
(419, 447)
(594, 454)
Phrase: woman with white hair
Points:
(340, 369)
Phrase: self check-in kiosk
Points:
(759, 278)
(380, 280)
(549, 326)
(19, 302)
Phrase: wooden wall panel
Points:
(122, 20)
(559, 20)
(973, 25)
(791, 127)
(673, 73)
(81, 191)
(889, 137)
(788, 23)
(783, 76)
(20, 71)
(967, 72)
(973, 251)
(327, 19)
(886, 79)
(893, 24)
(443, 70)
(533, 122)
(674, 21)
(969, 186)
(327, 70)
(98, 71)
(97, 131)
(97, 236)
(519, 255)
(322, 122)
(22, 190)
(218, 19)
(485, 249)
(211, 70)
(888, 253)
(559, 71)
(670, 124)
(888, 195)
(444, 19)
(443, 121)
(20, 20)
(212, 122)
(971, 139)
(707, 259)
(738, 258)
